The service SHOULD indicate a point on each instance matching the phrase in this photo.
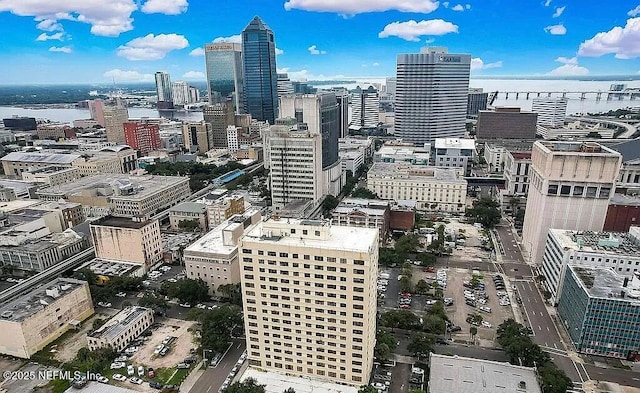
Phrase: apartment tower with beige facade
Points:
(570, 186)
(309, 298)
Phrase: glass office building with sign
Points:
(224, 73)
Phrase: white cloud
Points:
(634, 12)
(352, 7)
(61, 49)
(119, 75)
(458, 7)
(569, 67)
(467, 6)
(547, 3)
(558, 29)
(623, 41)
(478, 64)
(279, 51)
(152, 47)
(412, 30)
(107, 18)
(375, 64)
(46, 37)
(194, 75)
(197, 52)
(315, 51)
(167, 7)
(445, 4)
(429, 40)
(236, 39)
(559, 11)
(305, 75)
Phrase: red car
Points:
(405, 294)
(430, 270)
(404, 306)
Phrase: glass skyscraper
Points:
(259, 70)
(224, 73)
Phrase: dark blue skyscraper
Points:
(259, 69)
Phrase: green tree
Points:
(126, 304)
(400, 319)
(422, 287)
(385, 344)
(473, 331)
(154, 302)
(485, 211)
(216, 327)
(407, 244)
(187, 290)
(553, 380)
(328, 204)
(420, 345)
(433, 324)
(367, 389)
(189, 225)
(249, 385)
(231, 293)
(365, 193)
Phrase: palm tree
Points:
(473, 331)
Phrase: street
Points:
(213, 377)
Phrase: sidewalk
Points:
(192, 378)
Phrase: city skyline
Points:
(123, 41)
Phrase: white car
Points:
(485, 309)
(140, 371)
(130, 370)
(201, 306)
(431, 302)
(117, 365)
(121, 294)
(185, 305)
(486, 324)
(172, 280)
(102, 379)
(135, 380)
(119, 377)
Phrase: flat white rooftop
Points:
(455, 143)
(278, 383)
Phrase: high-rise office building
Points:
(477, 101)
(220, 116)
(365, 105)
(180, 93)
(96, 109)
(259, 70)
(390, 86)
(342, 97)
(164, 90)
(114, 119)
(310, 312)
(320, 114)
(197, 136)
(551, 111)
(194, 95)
(570, 186)
(224, 73)
(431, 95)
(285, 86)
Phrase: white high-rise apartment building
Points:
(285, 86)
(551, 111)
(570, 186)
(180, 93)
(163, 87)
(309, 298)
(295, 159)
(390, 85)
(232, 139)
(432, 89)
(365, 104)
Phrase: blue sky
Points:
(97, 41)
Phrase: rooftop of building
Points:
(52, 169)
(454, 143)
(630, 150)
(190, 207)
(120, 222)
(625, 200)
(521, 155)
(109, 268)
(51, 158)
(602, 282)
(417, 172)
(212, 242)
(278, 231)
(607, 243)
(591, 148)
(119, 323)
(277, 383)
(139, 186)
(37, 299)
(18, 204)
(466, 375)
(373, 203)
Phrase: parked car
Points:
(135, 380)
(117, 365)
(185, 305)
(121, 294)
(156, 385)
(119, 377)
(102, 379)
(140, 371)
(104, 304)
(183, 366)
(486, 324)
(485, 309)
(130, 370)
(164, 351)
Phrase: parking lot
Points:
(179, 347)
(459, 311)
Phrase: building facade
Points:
(551, 111)
(181, 93)
(517, 166)
(114, 119)
(432, 89)
(197, 136)
(220, 116)
(15, 163)
(365, 213)
(36, 318)
(455, 153)
(477, 101)
(223, 208)
(189, 211)
(121, 329)
(142, 136)
(570, 186)
(52, 175)
(164, 90)
(622, 213)
(214, 257)
(432, 188)
(123, 239)
(315, 285)
(224, 73)
(601, 311)
(365, 104)
(506, 123)
(259, 70)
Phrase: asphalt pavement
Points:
(213, 377)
